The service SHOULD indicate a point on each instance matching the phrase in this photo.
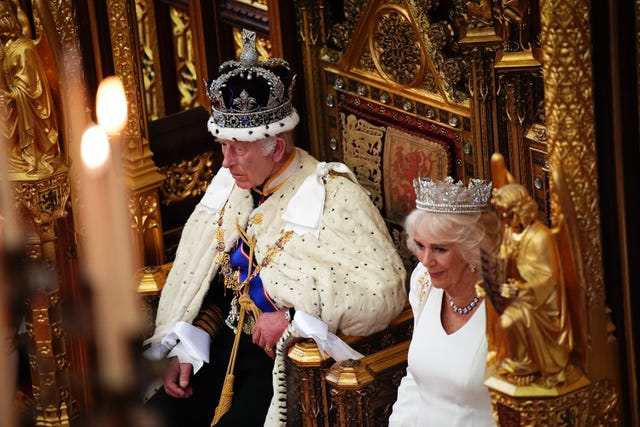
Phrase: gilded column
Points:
(568, 88)
(42, 202)
(142, 175)
(32, 129)
(51, 203)
(310, 17)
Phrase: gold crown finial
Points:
(448, 196)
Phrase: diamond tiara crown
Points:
(447, 196)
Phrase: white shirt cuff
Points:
(327, 342)
(189, 343)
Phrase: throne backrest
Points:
(392, 112)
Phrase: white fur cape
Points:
(350, 275)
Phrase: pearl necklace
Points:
(466, 309)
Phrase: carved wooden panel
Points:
(313, 399)
(362, 392)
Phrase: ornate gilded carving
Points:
(512, 22)
(396, 50)
(496, 57)
(570, 409)
(341, 32)
(604, 404)
(45, 199)
(429, 84)
(570, 122)
(362, 391)
(28, 116)
(321, 392)
(362, 145)
(147, 224)
(397, 64)
(366, 62)
(482, 91)
(516, 18)
(454, 70)
(312, 35)
(151, 280)
(138, 165)
(570, 133)
(260, 4)
(555, 115)
(144, 211)
(64, 17)
(479, 13)
(520, 97)
(188, 178)
(440, 34)
(126, 65)
(310, 22)
(150, 68)
(306, 395)
(186, 71)
(443, 58)
(53, 402)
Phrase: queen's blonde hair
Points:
(470, 232)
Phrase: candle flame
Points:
(111, 104)
(94, 147)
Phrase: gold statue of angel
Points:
(529, 326)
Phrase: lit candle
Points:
(111, 111)
(107, 245)
(98, 247)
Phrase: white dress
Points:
(445, 374)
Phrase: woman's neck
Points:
(465, 290)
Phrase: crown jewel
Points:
(251, 99)
(447, 196)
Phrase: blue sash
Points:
(240, 261)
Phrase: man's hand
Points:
(268, 329)
(176, 379)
